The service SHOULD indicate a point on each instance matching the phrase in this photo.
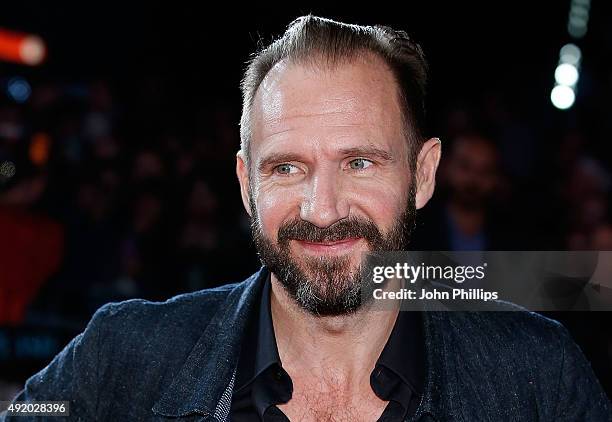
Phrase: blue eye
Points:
(359, 164)
(286, 169)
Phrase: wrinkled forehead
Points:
(360, 94)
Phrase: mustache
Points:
(351, 227)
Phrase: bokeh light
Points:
(566, 74)
(562, 97)
(570, 53)
(18, 89)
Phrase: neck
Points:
(340, 349)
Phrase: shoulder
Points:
(127, 351)
(505, 342)
(528, 357)
(201, 302)
(184, 314)
(491, 321)
(506, 317)
(523, 353)
(511, 332)
(138, 344)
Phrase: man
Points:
(473, 177)
(468, 217)
(333, 164)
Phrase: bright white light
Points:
(570, 53)
(32, 50)
(562, 97)
(566, 74)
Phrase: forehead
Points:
(355, 98)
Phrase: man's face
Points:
(329, 178)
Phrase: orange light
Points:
(39, 148)
(21, 48)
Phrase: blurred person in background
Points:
(469, 213)
(586, 194)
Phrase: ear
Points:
(243, 178)
(427, 165)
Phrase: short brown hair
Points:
(310, 37)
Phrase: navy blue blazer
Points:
(152, 361)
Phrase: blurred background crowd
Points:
(117, 154)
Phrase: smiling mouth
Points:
(329, 247)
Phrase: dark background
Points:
(139, 105)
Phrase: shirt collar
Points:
(259, 350)
(210, 366)
(260, 369)
(403, 352)
(259, 372)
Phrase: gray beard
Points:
(328, 286)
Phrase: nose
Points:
(323, 203)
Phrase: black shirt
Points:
(262, 383)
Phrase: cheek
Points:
(381, 202)
(274, 207)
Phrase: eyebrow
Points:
(362, 151)
(367, 151)
(277, 158)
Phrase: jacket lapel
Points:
(440, 396)
(204, 383)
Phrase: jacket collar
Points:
(210, 367)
